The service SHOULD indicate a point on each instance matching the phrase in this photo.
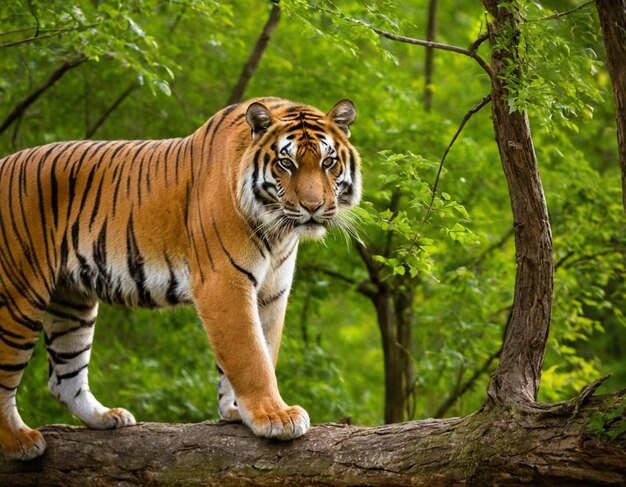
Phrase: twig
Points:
(475, 109)
(107, 113)
(496, 245)
(361, 287)
(21, 107)
(459, 391)
(38, 37)
(558, 15)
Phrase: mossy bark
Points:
(498, 446)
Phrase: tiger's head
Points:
(304, 173)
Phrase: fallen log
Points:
(581, 444)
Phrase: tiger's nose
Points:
(311, 206)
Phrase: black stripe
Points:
(18, 346)
(170, 294)
(271, 299)
(64, 252)
(69, 304)
(282, 261)
(136, 270)
(4, 331)
(96, 204)
(100, 249)
(25, 321)
(236, 120)
(304, 126)
(225, 112)
(49, 339)
(247, 273)
(70, 375)
(65, 357)
(68, 316)
(13, 367)
(2, 386)
(130, 163)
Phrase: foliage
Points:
(456, 252)
(610, 424)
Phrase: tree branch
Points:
(22, 106)
(38, 37)
(475, 109)
(434, 45)
(459, 391)
(107, 113)
(370, 264)
(359, 286)
(410, 40)
(558, 15)
(255, 56)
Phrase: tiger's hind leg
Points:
(69, 327)
(20, 325)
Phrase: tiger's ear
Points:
(343, 114)
(259, 118)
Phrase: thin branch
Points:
(558, 15)
(583, 258)
(494, 246)
(476, 44)
(370, 264)
(107, 113)
(22, 106)
(38, 37)
(462, 389)
(434, 45)
(410, 40)
(475, 109)
(255, 56)
(393, 207)
(359, 286)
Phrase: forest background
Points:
(439, 243)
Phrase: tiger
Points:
(213, 219)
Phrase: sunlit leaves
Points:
(420, 218)
(556, 75)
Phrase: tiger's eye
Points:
(286, 164)
(329, 162)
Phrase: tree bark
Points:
(494, 447)
(516, 381)
(612, 15)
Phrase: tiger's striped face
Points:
(304, 171)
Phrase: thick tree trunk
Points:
(613, 21)
(517, 377)
(393, 311)
(394, 406)
(494, 447)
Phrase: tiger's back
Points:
(213, 218)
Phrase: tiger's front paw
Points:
(24, 444)
(282, 423)
(113, 418)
